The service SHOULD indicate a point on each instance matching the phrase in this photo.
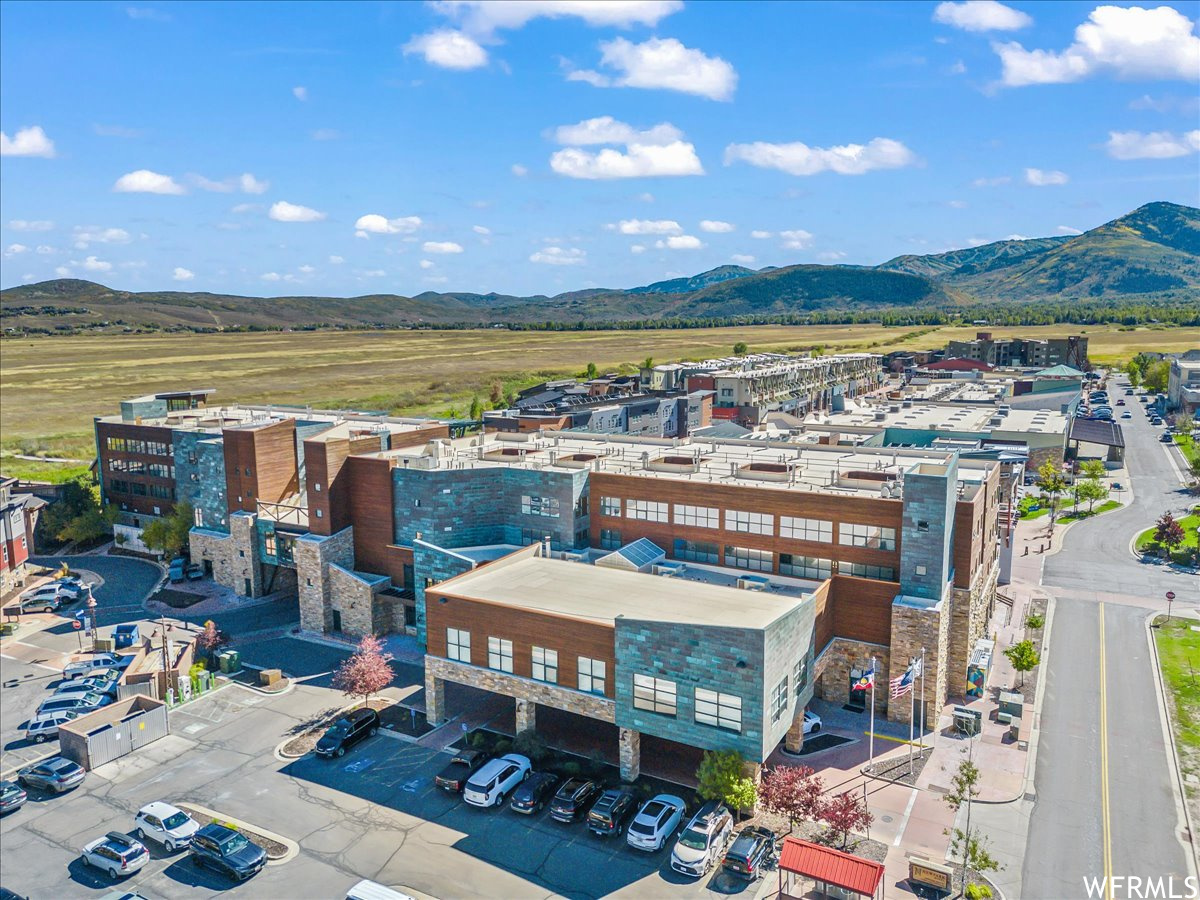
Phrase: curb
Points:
(1160, 692)
(293, 849)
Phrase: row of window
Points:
(137, 467)
(141, 489)
(591, 673)
(779, 694)
(876, 537)
(661, 696)
(136, 445)
(540, 506)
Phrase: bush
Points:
(572, 769)
(531, 744)
(478, 740)
(504, 745)
(978, 891)
(1035, 621)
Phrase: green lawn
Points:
(1179, 657)
(1187, 445)
(1106, 506)
(1189, 523)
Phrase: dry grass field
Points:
(51, 387)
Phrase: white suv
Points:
(166, 825)
(491, 784)
(703, 841)
(655, 822)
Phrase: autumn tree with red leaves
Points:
(845, 813)
(792, 791)
(366, 671)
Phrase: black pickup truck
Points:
(457, 772)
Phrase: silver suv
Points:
(703, 841)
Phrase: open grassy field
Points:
(52, 386)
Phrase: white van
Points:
(491, 784)
(369, 890)
(43, 727)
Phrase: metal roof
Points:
(824, 864)
(1096, 431)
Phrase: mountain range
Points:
(1152, 253)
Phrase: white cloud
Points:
(441, 247)
(646, 197)
(93, 264)
(636, 249)
(958, 68)
(337, 260)
(30, 141)
(62, 272)
(646, 226)
(282, 211)
(326, 134)
(242, 208)
(15, 249)
(251, 185)
(800, 159)
(94, 234)
(607, 130)
(245, 182)
(744, 259)
(270, 276)
(957, 204)
(991, 182)
(558, 256)
(307, 270)
(797, 239)
(481, 229)
(662, 63)
(300, 93)
(1067, 229)
(45, 249)
(207, 184)
(638, 161)
(373, 273)
(831, 255)
(146, 14)
(1128, 43)
(448, 49)
(1045, 177)
(714, 226)
(1016, 237)
(1154, 145)
(143, 181)
(1168, 103)
(182, 274)
(426, 264)
(377, 224)
(680, 242)
(981, 15)
(484, 17)
(519, 170)
(31, 224)
(761, 235)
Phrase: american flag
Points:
(903, 684)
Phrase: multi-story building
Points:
(18, 518)
(1041, 353)
(654, 415)
(1183, 383)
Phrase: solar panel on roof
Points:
(641, 552)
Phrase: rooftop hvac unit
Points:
(573, 557)
(753, 584)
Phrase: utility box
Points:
(229, 661)
(269, 677)
(967, 721)
(1011, 703)
(105, 645)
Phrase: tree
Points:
(1134, 371)
(77, 515)
(531, 744)
(742, 794)
(1089, 491)
(974, 852)
(211, 639)
(476, 412)
(1051, 481)
(846, 812)
(1156, 376)
(169, 534)
(792, 791)
(1092, 468)
(1185, 424)
(739, 349)
(1168, 532)
(496, 394)
(648, 362)
(721, 776)
(1023, 657)
(591, 371)
(964, 788)
(366, 671)
(89, 526)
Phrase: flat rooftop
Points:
(981, 420)
(603, 595)
(214, 419)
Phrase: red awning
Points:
(830, 866)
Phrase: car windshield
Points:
(234, 844)
(337, 729)
(177, 820)
(641, 828)
(696, 840)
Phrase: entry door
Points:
(337, 620)
(857, 699)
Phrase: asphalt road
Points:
(1096, 569)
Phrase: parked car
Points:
(117, 854)
(609, 813)
(93, 664)
(165, 824)
(46, 603)
(573, 799)
(175, 571)
(101, 684)
(533, 793)
(42, 728)
(700, 846)
(464, 764)
(750, 849)
(12, 797)
(225, 850)
(1121, 402)
(496, 780)
(49, 589)
(655, 822)
(56, 774)
(812, 722)
(1166, 439)
(79, 702)
(348, 730)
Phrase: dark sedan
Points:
(460, 769)
(354, 726)
(573, 799)
(533, 793)
(225, 850)
(56, 774)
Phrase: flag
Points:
(865, 680)
(903, 684)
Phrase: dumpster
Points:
(125, 636)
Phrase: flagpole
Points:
(922, 731)
(912, 714)
(874, 678)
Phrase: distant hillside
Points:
(1153, 253)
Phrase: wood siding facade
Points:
(260, 464)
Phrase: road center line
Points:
(1104, 814)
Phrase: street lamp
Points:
(91, 613)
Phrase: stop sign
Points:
(76, 624)
(1170, 595)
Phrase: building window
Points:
(646, 510)
(458, 645)
(697, 516)
(198, 517)
(317, 487)
(610, 506)
(745, 558)
(545, 665)
(591, 675)
(818, 530)
(750, 522)
(800, 675)
(779, 699)
(320, 514)
(610, 539)
(654, 694)
(500, 654)
(539, 506)
(874, 537)
(269, 544)
(805, 566)
(696, 551)
(720, 710)
(883, 573)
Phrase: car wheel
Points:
(373, 732)
(169, 846)
(112, 873)
(39, 738)
(341, 751)
(139, 833)
(48, 609)
(816, 728)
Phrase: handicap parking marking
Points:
(360, 765)
(411, 787)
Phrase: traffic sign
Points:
(1170, 595)
(76, 624)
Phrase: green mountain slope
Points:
(972, 259)
(695, 282)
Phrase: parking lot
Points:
(373, 814)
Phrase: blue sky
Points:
(524, 148)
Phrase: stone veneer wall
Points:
(232, 555)
(913, 629)
(831, 671)
(354, 597)
(313, 555)
(970, 611)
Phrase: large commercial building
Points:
(1040, 353)
(1183, 383)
